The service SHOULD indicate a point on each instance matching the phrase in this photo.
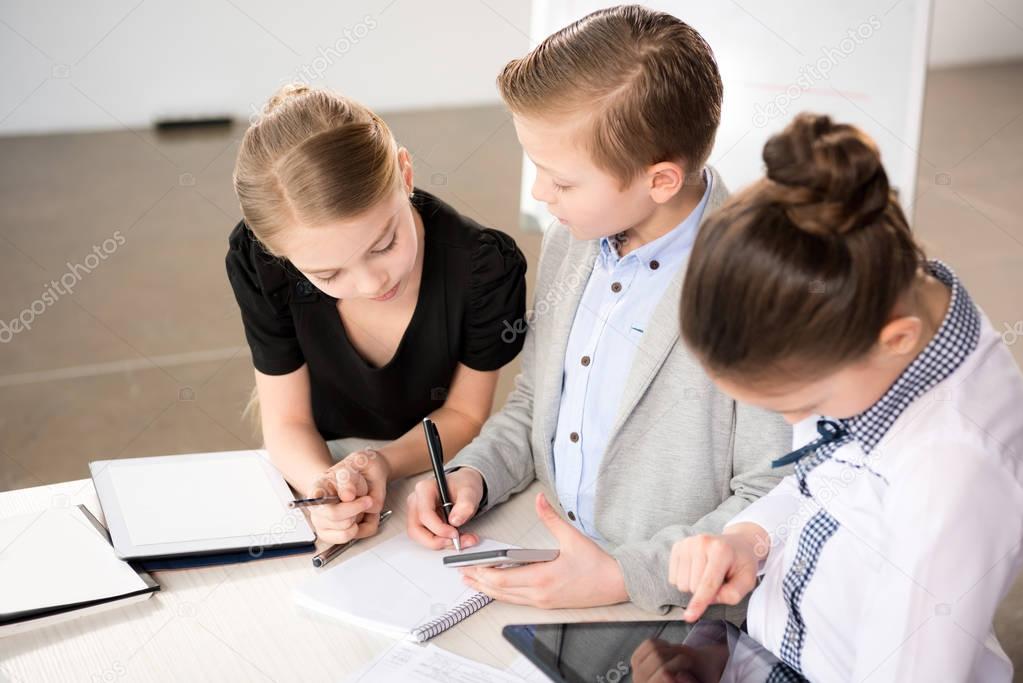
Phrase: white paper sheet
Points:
(524, 670)
(175, 501)
(416, 664)
(57, 557)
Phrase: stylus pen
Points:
(333, 551)
(437, 460)
(306, 502)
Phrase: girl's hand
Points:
(360, 481)
(718, 569)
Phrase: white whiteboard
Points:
(862, 63)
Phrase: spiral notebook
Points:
(397, 587)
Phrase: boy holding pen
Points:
(618, 112)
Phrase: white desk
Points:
(238, 622)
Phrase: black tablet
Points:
(589, 652)
(709, 651)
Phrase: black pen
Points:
(307, 502)
(437, 460)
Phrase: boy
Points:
(618, 112)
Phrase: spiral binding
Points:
(451, 617)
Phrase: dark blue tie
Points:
(829, 431)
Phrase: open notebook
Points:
(58, 564)
(397, 587)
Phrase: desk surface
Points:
(238, 622)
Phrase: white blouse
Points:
(899, 533)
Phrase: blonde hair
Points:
(313, 157)
(251, 413)
(647, 81)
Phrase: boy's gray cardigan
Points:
(682, 457)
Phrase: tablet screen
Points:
(709, 651)
(181, 500)
(590, 652)
(197, 504)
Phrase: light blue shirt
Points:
(616, 305)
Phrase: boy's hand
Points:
(718, 569)
(583, 575)
(424, 521)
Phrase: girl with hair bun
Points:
(887, 552)
(368, 305)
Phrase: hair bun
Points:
(828, 177)
(285, 93)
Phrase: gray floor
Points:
(146, 355)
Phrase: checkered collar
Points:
(955, 339)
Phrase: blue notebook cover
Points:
(192, 561)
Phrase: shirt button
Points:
(585, 360)
(574, 437)
(616, 287)
(654, 265)
(571, 515)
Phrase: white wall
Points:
(973, 31)
(75, 65)
(81, 66)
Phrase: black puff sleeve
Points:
(496, 303)
(261, 288)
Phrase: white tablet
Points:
(197, 504)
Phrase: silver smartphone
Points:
(496, 558)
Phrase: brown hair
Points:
(799, 272)
(648, 82)
(313, 157)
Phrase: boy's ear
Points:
(666, 179)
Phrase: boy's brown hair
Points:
(647, 81)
